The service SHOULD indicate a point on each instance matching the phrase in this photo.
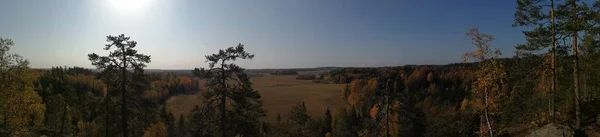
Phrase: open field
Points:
(279, 94)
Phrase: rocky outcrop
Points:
(553, 130)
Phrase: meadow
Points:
(279, 94)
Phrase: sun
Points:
(129, 6)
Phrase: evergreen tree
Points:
(170, 123)
(574, 20)
(181, 126)
(122, 68)
(328, 121)
(298, 114)
(227, 81)
(344, 124)
(530, 13)
(278, 119)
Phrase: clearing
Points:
(279, 94)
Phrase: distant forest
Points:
(552, 79)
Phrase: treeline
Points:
(317, 69)
(307, 76)
(284, 72)
(164, 85)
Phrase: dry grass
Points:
(279, 94)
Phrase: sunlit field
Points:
(279, 94)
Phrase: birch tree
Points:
(489, 79)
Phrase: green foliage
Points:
(345, 124)
(123, 72)
(328, 121)
(299, 124)
(298, 114)
(226, 81)
(71, 95)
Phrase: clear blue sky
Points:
(282, 33)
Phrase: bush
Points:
(306, 77)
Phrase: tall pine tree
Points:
(532, 13)
(122, 68)
(225, 81)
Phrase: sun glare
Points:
(129, 6)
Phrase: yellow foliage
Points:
(490, 76)
(21, 104)
(430, 77)
(156, 130)
(354, 98)
(356, 86)
(372, 85)
(87, 129)
(464, 104)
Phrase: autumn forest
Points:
(551, 84)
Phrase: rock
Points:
(553, 130)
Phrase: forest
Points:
(552, 80)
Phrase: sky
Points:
(281, 33)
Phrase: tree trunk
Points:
(62, 123)
(485, 111)
(123, 95)
(106, 123)
(575, 67)
(5, 119)
(223, 99)
(387, 114)
(4, 104)
(553, 41)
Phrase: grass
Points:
(279, 94)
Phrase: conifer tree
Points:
(225, 81)
(122, 68)
(531, 13)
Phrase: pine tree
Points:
(278, 119)
(123, 68)
(170, 123)
(298, 114)
(574, 17)
(246, 104)
(181, 126)
(328, 121)
(530, 13)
